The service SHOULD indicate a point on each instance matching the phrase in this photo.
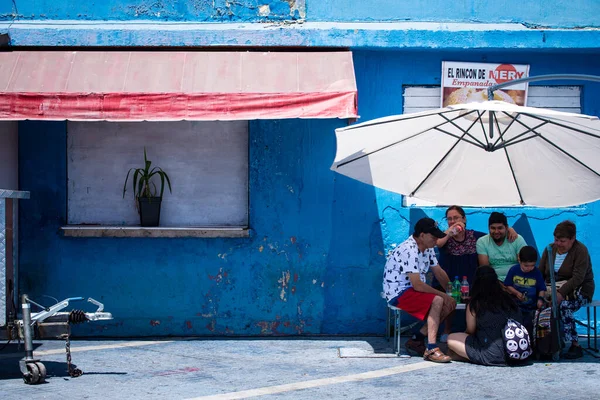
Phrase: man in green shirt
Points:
(495, 250)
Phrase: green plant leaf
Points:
(142, 180)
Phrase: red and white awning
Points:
(171, 86)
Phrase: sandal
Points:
(436, 356)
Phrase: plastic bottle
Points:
(456, 289)
(449, 289)
(464, 289)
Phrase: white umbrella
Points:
(448, 156)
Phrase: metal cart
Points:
(47, 322)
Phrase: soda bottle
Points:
(464, 289)
(456, 289)
(449, 289)
(455, 229)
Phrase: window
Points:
(423, 98)
(207, 163)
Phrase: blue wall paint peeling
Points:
(314, 260)
(355, 36)
(156, 10)
(535, 13)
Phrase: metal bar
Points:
(341, 164)
(588, 326)
(568, 154)
(403, 117)
(388, 324)
(439, 163)
(464, 131)
(27, 331)
(512, 171)
(549, 77)
(595, 331)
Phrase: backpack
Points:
(517, 344)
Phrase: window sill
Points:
(158, 232)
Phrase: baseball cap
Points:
(428, 225)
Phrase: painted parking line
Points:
(87, 348)
(319, 382)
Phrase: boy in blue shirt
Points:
(527, 284)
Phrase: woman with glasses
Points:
(458, 250)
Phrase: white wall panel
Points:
(206, 161)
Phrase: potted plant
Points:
(144, 191)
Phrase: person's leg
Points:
(567, 309)
(528, 322)
(456, 345)
(433, 320)
(447, 315)
(433, 352)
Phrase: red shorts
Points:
(415, 303)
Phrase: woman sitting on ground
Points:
(488, 311)
(458, 252)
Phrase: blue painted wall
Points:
(157, 10)
(313, 263)
(537, 13)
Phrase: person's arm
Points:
(483, 259)
(442, 241)
(514, 292)
(482, 254)
(471, 322)
(420, 286)
(581, 264)
(511, 235)
(540, 288)
(541, 301)
(441, 275)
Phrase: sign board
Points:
(467, 82)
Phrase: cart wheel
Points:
(556, 356)
(32, 376)
(42, 369)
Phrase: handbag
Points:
(557, 284)
(549, 289)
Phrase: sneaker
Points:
(444, 338)
(436, 356)
(574, 353)
(415, 347)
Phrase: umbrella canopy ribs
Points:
(477, 154)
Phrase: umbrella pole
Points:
(549, 77)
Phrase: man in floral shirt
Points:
(404, 285)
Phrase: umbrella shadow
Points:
(523, 228)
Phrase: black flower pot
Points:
(149, 210)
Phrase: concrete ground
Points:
(282, 368)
